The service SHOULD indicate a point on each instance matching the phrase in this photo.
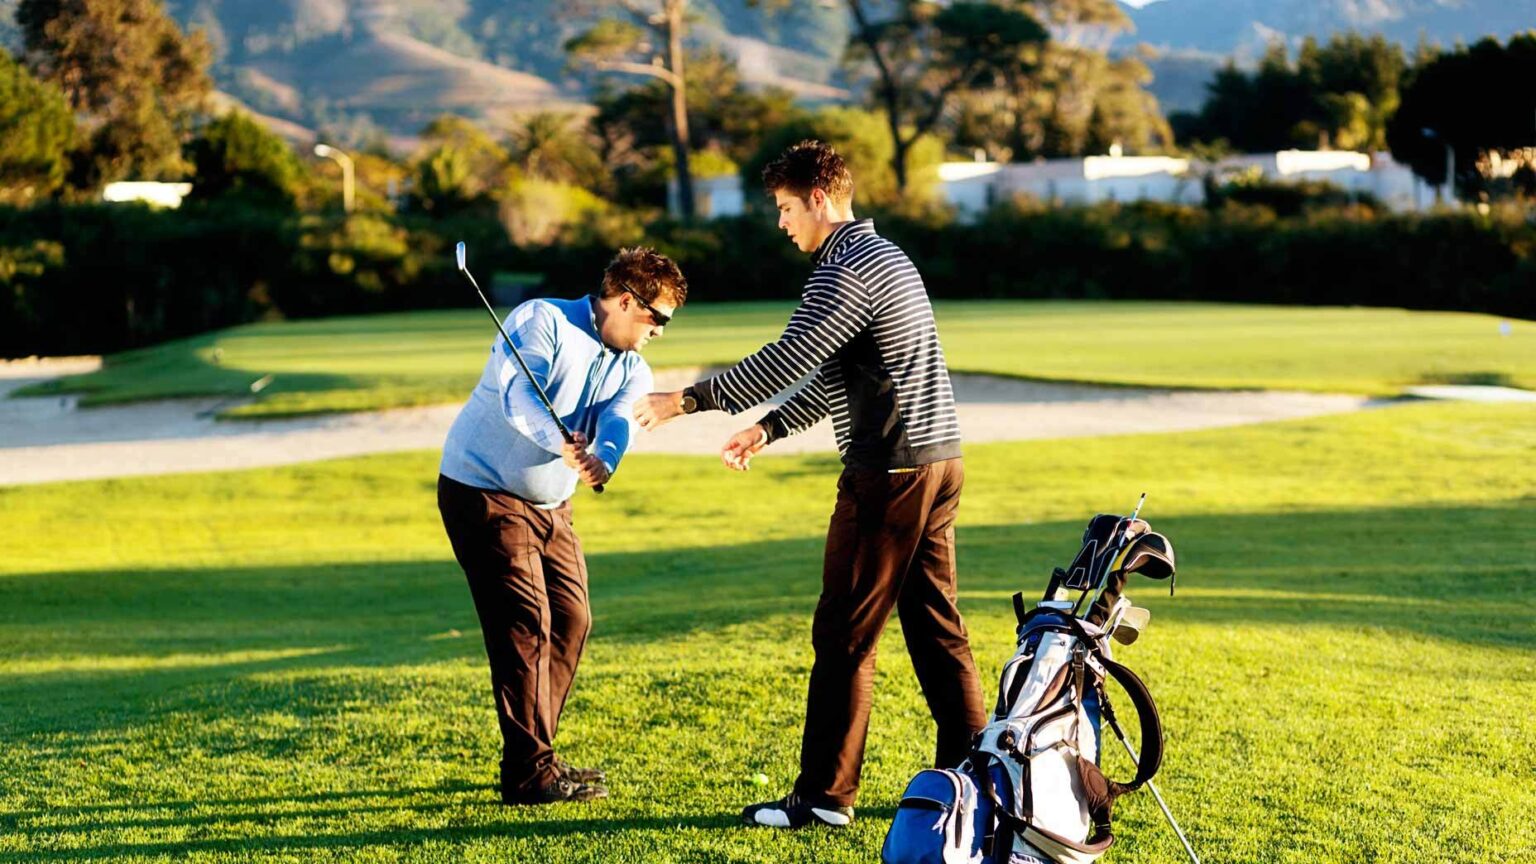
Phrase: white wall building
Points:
(972, 187)
(149, 192)
(712, 196)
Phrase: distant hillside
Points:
(364, 68)
(382, 68)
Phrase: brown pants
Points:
(529, 582)
(891, 544)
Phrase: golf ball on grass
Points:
(759, 779)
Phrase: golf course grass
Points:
(284, 664)
(418, 358)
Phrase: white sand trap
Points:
(50, 438)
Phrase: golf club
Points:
(565, 433)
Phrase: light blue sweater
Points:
(503, 439)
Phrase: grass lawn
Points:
(346, 364)
(285, 663)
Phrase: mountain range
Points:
(390, 65)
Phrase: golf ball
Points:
(759, 779)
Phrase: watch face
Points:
(690, 404)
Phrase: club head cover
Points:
(1150, 555)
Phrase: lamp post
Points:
(325, 151)
(1450, 166)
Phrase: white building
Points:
(712, 196)
(972, 187)
(1393, 184)
(149, 192)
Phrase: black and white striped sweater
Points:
(865, 326)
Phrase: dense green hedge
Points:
(97, 278)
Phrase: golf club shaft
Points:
(1156, 795)
(517, 355)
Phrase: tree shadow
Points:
(118, 651)
(527, 824)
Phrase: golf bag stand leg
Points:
(1136, 760)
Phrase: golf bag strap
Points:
(1000, 809)
(1146, 711)
(1151, 756)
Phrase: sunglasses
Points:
(662, 319)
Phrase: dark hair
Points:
(648, 273)
(806, 166)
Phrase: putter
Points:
(565, 433)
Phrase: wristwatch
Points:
(689, 402)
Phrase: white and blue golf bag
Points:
(1031, 791)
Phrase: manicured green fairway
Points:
(342, 364)
(284, 663)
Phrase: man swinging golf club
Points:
(507, 476)
(864, 327)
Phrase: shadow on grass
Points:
(1458, 573)
(590, 829)
(199, 643)
(181, 369)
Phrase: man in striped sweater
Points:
(864, 334)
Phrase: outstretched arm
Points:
(834, 308)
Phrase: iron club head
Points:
(458, 254)
(1130, 625)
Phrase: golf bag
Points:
(1031, 791)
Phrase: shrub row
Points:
(98, 278)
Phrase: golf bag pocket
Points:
(941, 820)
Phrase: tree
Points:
(726, 119)
(1069, 97)
(626, 46)
(1339, 94)
(925, 54)
(132, 77)
(36, 130)
(458, 166)
(1464, 100)
(554, 146)
(234, 156)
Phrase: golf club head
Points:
(1115, 613)
(458, 254)
(1130, 623)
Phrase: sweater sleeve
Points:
(833, 309)
(616, 425)
(801, 412)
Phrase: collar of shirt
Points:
(592, 301)
(845, 231)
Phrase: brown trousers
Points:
(891, 543)
(529, 582)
